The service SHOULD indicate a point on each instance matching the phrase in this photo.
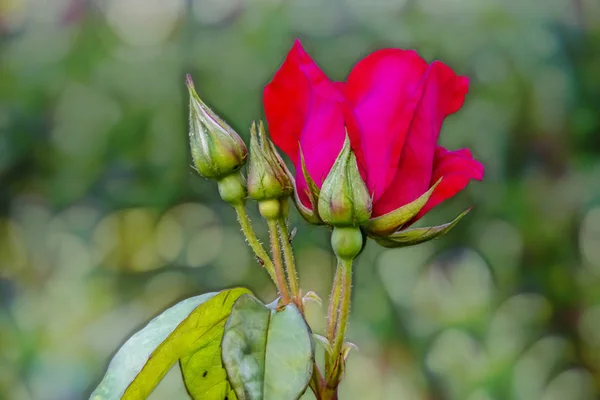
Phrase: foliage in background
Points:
(103, 223)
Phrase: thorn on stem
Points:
(292, 234)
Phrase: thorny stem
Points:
(317, 383)
(345, 265)
(277, 261)
(290, 264)
(333, 312)
(253, 241)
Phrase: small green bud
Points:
(344, 199)
(232, 189)
(270, 209)
(347, 242)
(267, 178)
(217, 150)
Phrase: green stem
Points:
(317, 382)
(329, 393)
(277, 261)
(333, 312)
(288, 255)
(253, 241)
(344, 310)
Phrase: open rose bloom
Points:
(391, 107)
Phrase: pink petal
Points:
(384, 89)
(321, 141)
(442, 93)
(288, 96)
(457, 169)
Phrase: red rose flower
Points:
(392, 106)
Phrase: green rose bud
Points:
(232, 189)
(267, 179)
(344, 199)
(217, 150)
(347, 242)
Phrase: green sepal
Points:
(410, 237)
(304, 211)
(313, 190)
(386, 224)
(347, 347)
(311, 296)
(324, 342)
(310, 215)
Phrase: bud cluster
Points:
(342, 201)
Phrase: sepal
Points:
(346, 348)
(311, 296)
(410, 237)
(324, 342)
(309, 215)
(389, 223)
(313, 192)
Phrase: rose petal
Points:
(287, 98)
(443, 93)
(321, 141)
(384, 90)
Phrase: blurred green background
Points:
(103, 223)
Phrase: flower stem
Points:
(333, 374)
(333, 312)
(277, 261)
(253, 241)
(290, 263)
(317, 383)
(278, 235)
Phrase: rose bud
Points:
(344, 199)
(268, 182)
(217, 150)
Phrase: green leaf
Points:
(410, 237)
(390, 222)
(187, 328)
(268, 354)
